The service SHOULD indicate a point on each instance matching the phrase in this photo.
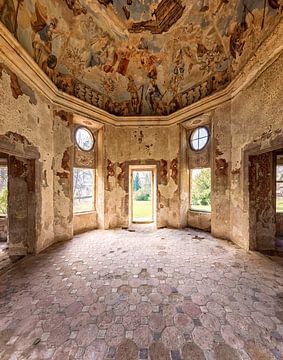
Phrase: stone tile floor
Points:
(159, 295)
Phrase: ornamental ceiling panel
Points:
(141, 57)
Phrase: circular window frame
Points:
(191, 138)
(91, 135)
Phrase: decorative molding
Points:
(20, 62)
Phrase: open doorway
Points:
(17, 208)
(266, 202)
(142, 194)
(3, 206)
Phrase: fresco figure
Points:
(76, 6)
(154, 98)
(8, 14)
(135, 98)
(43, 34)
(49, 65)
(101, 61)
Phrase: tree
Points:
(3, 190)
(147, 183)
(137, 183)
(4, 201)
(201, 188)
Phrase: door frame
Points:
(17, 146)
(254, 149)
(153, 169)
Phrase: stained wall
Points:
(142, 146)
(256, 126)
(28, 121)
(251, 123)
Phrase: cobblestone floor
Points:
(159, 295)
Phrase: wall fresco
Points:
(143, 57)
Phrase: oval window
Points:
(84, 139)
(199, 138)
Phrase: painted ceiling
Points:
(141, 57)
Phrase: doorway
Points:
(142, 209)
(3, 207)
(279, 200)
(17, 207)
(266, 202)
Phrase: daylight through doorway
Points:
(142, 196)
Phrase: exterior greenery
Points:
(4, 201)
(201, 189)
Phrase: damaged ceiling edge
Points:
(25, 67)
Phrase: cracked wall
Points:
(257, 123)
(252, 123)
(29, 129)
(141, 146)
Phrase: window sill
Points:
(85, 213)
(200, 211)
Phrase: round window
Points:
(199, 138)
(84, 139)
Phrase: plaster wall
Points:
(252, 121)
(221, 171)
(85, 222)
(144, 146)
(257, 126)
(26, 117)
(279, 224)
(3, 228)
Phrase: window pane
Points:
(194, 136)
(201, 189)
(279, 184)
(83, 190)
(203, 132)
(195, 144)
(279, 173)
(279, 197)
(3, 190)
(199, 138)
(84, 139)
(202, 143)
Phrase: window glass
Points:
(199, 138)
(83, 185)
(3, 190)
(84, 139)
(279, 184)
(201, 189)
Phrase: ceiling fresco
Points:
(141, 57)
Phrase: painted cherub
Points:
(43, 34)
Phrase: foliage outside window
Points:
(3, 190)
(83, 185)
(201, 189)
(279, 188)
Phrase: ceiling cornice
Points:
(22, 64)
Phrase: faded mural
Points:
(141, 57)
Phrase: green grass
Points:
(142, 210)
(206, 208)
(279, 205)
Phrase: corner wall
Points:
(141, 146)
(256, 123)
(26, 117)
